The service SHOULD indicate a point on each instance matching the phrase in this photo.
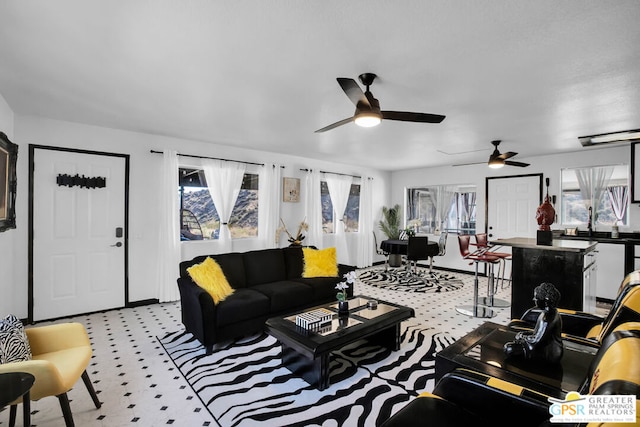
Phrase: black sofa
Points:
(266, 283)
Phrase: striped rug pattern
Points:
(243, 383)
(399, 280)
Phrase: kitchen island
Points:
(569, 264)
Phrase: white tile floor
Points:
(140, 386)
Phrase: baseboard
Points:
(143, 302)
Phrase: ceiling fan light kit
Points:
(607, 138)
(496, 163)
(368, 113)
(368, 119)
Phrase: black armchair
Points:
(590, 328)
(465, 397)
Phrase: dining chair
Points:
(379, 251)
(417, 250)
(442, 249)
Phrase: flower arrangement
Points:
(350, 277)
(297, 240)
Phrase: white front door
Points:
(78, 233)
(512, 202)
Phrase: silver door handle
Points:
(117, 245)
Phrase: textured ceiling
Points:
(262, 74)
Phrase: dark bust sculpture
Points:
(544, 343)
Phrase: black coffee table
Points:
(12, 386)
(482, 350)
(307, 353)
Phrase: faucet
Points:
(589, 227)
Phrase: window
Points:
(351, 215)
(573, 210)
(422, 213)
(199, 219)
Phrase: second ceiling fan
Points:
(497, 160)
(368, 111)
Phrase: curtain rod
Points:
(211, 158)
(333, 173)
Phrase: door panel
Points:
(511, 206)
(76, 266)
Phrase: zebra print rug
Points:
(399, 280)
(243, 383)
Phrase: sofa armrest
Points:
(198, 311)
(577, 323)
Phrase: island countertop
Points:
(556, 244)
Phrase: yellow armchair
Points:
(60, 356)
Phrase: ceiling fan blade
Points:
(519, 164)
(354, 92)
(507, 155)
(335, 125)
(468, 164)
(405, 116)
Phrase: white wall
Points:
(8, 238)
(143, 197)
(549, 166)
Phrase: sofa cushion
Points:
(324, 288)
(264, 266)
(320, 262)
(232, 265)
(294, 261)
(286, 295)
(209, 276)
(242, 305)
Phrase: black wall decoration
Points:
(81, 181)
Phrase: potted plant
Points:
(390, 226)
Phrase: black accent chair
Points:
(589, 328)
(466, 397)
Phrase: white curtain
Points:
(269, 212)
(169, 232)
(313, 208)
(365, 222)
(224, 180)
(443, 196)
(619, 198)
(339, 188)
(593, 183)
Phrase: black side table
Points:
(12, 386)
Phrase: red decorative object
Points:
(545, 214)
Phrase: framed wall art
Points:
(290, 190)
(8, 182)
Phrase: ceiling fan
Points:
(368, 111)
(498, 160)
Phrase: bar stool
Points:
(477, 309)
(482, 243)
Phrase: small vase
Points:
(343, 308)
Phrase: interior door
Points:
(512, 202)
(78, 232)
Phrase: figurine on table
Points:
(544, 343)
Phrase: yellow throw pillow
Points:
(320, 263)
(209, 276)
